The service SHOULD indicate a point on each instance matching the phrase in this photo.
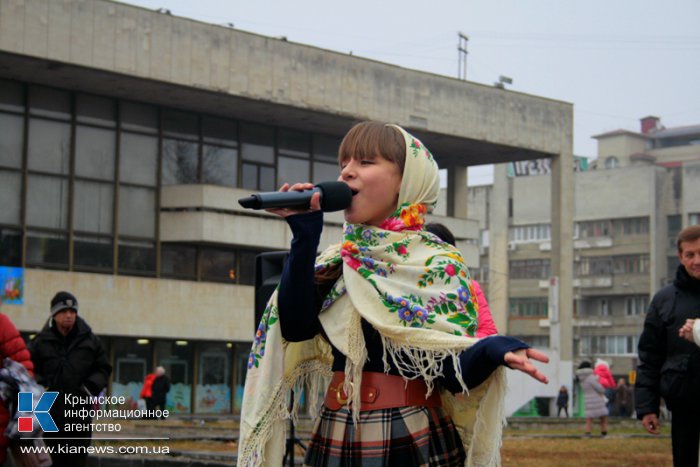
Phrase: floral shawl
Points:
(412, 288)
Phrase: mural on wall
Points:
(12, 282)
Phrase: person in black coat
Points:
(563, 401)
(159, 390)
(670, 365)
(69, 358)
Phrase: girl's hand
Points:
(314, 205)
(520, 360)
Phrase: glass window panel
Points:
(94, 152)
(92, 207)
(137, 211)
(137, 257)
(219, 131)
(267, 179)
(249, 176)
(213, 392)
(11, 95)
(325, 172)
(178, 363)
(47, 202)
(10, 192)
(180, 124)
(139, 117)
(138, 159)
(218, 265)
(93, 252)
(95, 109)
(326, 148)
(246, 267)
(47, 249)
(49, 102)
(220, 165)
(178, 261)
(293, 143)
(49, 146)
(179, 162)
(10, 247)
(257, 144)
(292, 170)
(11, 137)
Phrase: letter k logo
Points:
(25, 403)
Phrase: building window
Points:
(528, 307)
(594, 229)
(636, 305)
(607, 345)
(631, 264)
(530, 233)
(325, 154)
(612, 162)
(632, 226)
(529, 269)
(593, 266)
(258, 157)
(541, 342)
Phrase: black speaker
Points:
(268, 270)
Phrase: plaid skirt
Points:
(405, 437)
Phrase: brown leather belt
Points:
(382, 391)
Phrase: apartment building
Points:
(629, 205)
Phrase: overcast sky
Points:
(615, 60)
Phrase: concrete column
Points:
(561, 330)
(498, 249)
(457, 191)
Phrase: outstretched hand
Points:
(520, 360)
(314, 205)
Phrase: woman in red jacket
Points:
(11, 346)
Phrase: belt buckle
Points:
(339, 391)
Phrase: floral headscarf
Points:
(414, 290)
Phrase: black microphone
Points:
(334, 197)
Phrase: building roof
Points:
(677, 131)
(619, 132)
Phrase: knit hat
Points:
(63, 301)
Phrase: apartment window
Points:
(178, 261)
(607, 345)
(632, 226)
(529, 269)
(593, 266)
(594, 229)
(636, 305)
(541, 342)
(528, 307)
(693, 219)
(604, 310)
(631, 264)
(220, 152)
(530, 233)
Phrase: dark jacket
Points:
(160, 388)
(11, 346)
(665, 358)
(563, 398)
(71, 364)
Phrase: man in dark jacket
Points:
(69, 358)
(670, 364)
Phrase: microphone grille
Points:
(335, 196)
